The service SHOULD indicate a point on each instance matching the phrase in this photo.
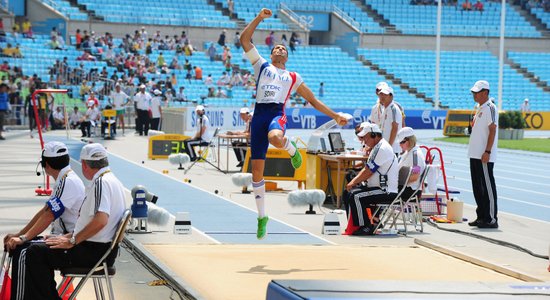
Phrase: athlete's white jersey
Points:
(273, 84)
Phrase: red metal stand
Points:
(46, 191)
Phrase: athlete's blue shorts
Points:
(266, 118)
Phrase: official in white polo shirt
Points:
(61, 211)
(95, 228)
(482, 151)
(203, 135)
(378, 108)
(380, 174)
(392, 118)
(142, 103)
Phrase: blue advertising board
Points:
(315, 21)
(310, 118)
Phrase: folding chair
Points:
(203, 153)
(98, 271)
(408, 210)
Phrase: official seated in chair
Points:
(380, 173)
(239, 146)
(412, 157)
(202, 136)
(90, 119)
(94, 230)
(61, 211)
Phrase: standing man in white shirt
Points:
(482, 151)
(94, 230)
(61, 211)
(142, 103)
(525, 107)
(119, 100)
(275, 84)
(392, 118)
(377, 109)
(156, 110)
(202, 137)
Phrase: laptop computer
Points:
(336, 142)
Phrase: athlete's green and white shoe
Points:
(296, 159)
(262, 230)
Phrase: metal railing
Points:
(294, 17)
(344, 16)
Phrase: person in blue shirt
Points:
(4, 107)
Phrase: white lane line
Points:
(128, 191)
(506, 198)
(174, 179)
(508, 187)
(500, 177)
(451, 163)
(527, 165)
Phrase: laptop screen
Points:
(336, 142)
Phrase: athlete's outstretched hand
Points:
(341, 119)
(265, 13)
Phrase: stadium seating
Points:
(247, 10)
(65, 8)
(542, 15)
(459, 70)
(169, 12)
(421, 19)
(534, 63)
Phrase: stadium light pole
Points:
(437, 54)
(501, 53)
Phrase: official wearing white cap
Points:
(377, 108)
(380, 174)
(156, 109)
(525, 107)
(61, 211)
(95, 227)
(202, 136)
(239, 146)
(142, 103)
(413, 158)
(90, 119)
(482, 151)
(392, 118)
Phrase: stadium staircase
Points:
(241, 23)
(90, 12)
(532, 19)
(528, 73)
(390, 28)
(397, 81)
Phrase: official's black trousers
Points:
(41, 261)
(240, 150)
(142, 122)
(190, 144)
(485, 191)
(18, 270)
(361, 198)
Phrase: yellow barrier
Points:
(537, 120)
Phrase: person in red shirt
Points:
(467, 5)
(93, 98)
(478, 6)
(78, 39)
(198, 73)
